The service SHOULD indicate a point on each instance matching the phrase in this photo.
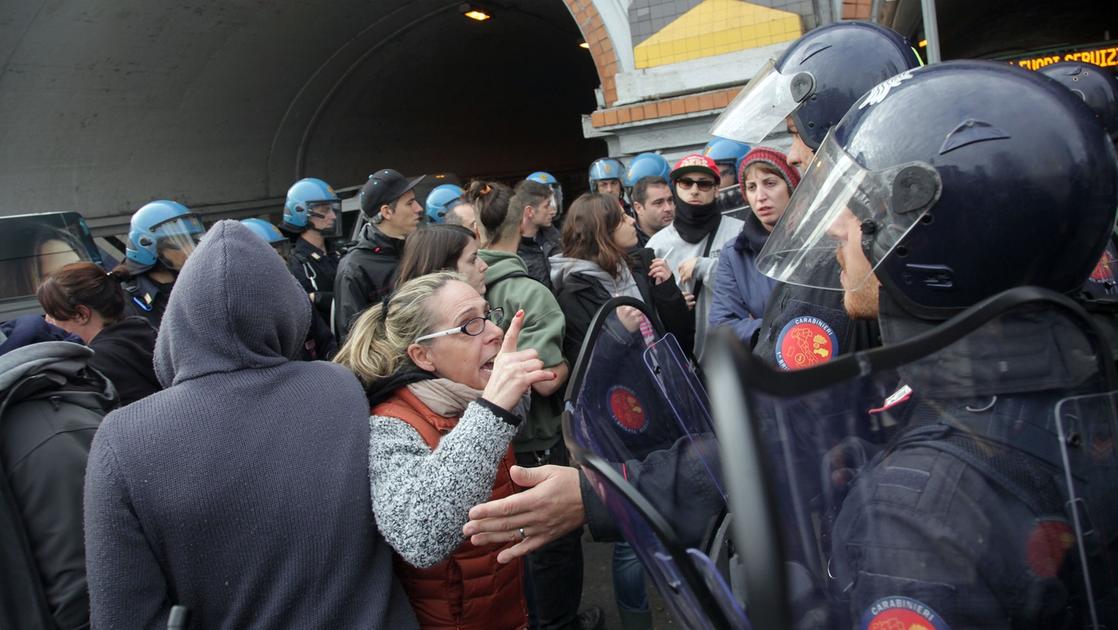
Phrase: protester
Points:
(365, 273)
(50, 406)
(447, 397)
(539, 240)
(443, 247)
(240, 491)
(742, 291)
(692, 243)
(83, 300)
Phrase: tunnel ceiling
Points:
(104, 106)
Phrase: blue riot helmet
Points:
(312, 203)
(1097, 87)
(440, 200)
(944, 175)
(544, 177)
(726, 153)
(605, 169)
(647, 165)
(162, 231)
(270, 234)
(815, 81)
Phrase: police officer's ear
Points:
(420, 356)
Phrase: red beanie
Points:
(773, 158)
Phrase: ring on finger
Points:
(522, 534)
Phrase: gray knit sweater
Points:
(422, 498)
(240, 490)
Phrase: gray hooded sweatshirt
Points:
(240, 490)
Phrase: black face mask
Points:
(694, 223)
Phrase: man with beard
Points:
(691, 244)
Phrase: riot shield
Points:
(637, 419)
(961, 478)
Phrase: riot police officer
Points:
(727, 154)
(605, 177)
(161, 237)
(989, 504)
(810, 93)
(440, 201)
(314, 212)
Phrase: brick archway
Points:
(601, 46)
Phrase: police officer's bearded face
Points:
(800, 155)
(658, 209)
(609, 187)
(859, 283)
(402, 217)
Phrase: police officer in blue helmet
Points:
(605, 177)
(161, 236)
(646, 183)
(811, 86)
(441, 200)
(313, 212)
(727, 154)
(320, 343)
(549, 180)
(963, 475)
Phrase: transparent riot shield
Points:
(962, 477)
(638, 421)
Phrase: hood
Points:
(501, 264)
(562, 267)
(234, 307)
(28, 329)
(374, 240)
(51, 365)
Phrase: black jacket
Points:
(316, 270)
(365, 275)
(535, 251)
(581, 296)
(146, 298)
(122, 352)
(51, 404)
(819, 311)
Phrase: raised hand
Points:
(514, 371)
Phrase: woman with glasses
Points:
(692, 243)
(446, 388)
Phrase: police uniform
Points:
(316, 270)
(147, 298)
(802, 327)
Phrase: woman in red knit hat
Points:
(742, 291)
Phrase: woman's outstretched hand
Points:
(514, 371)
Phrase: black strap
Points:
(706, 253)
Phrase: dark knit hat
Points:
(773, 158)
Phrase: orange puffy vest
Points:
(470, 589)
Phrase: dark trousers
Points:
(554, 573)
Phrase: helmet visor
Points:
(759, 108)
(176, 238)
(326, 217)
(836, 208)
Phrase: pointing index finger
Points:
(513, 333)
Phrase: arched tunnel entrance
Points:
(223, 105)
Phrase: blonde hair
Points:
(377, 346)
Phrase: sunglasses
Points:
(686, 183)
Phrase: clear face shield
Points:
(763, 104)
(836, 209)
(326, 217)
(557, 199)
(176, 239)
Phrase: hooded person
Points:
(692, 243)
(51, 403)
(230, 492)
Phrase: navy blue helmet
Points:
(1097, 87)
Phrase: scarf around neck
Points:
(444, 396)
(694, 223)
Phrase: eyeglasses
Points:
(703, 184)
(473, 327)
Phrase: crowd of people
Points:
(303, 432)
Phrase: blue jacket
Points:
(742, 291)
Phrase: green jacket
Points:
(509, 287)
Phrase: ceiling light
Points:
(476, 14)
(584, 45)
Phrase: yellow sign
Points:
(1104, 57)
